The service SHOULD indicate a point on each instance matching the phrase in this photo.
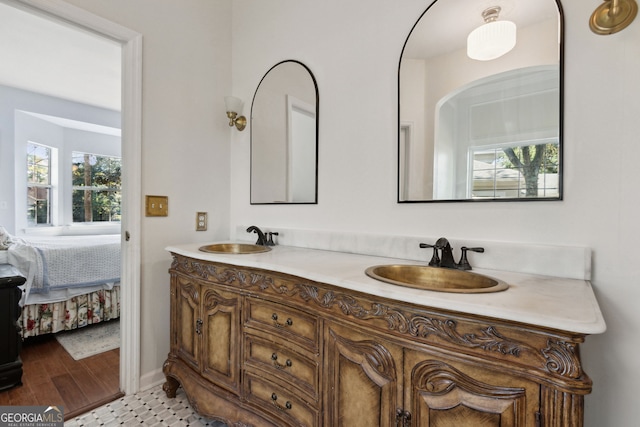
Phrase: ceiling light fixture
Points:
(234, 107)
(492, 39)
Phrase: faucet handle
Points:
(464, 263)
(270, 240)
(435, 259)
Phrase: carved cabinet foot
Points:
(170, 387)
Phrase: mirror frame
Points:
(560, 123)
(317, 105)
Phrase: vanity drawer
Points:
(286, 322)
(280, 400)
(280, 359)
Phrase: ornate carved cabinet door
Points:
(221, 337)
(443, 393)
(362, 379)
(187, 314)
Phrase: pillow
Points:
(5, 239)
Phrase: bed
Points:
(72, 281)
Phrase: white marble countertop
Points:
(558, 303)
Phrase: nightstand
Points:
(10, 339)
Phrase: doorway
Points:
(131, 48)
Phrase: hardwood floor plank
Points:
(52, 377)
(46, 394)
(54, 366)
(18, 394)
(88, 383)
(35, 373)
(70, 391)
(103, 371)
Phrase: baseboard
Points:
(151, 379)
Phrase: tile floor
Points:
(151, 407)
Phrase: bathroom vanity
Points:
(302, 337)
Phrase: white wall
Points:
(185, 138)
(353, 48)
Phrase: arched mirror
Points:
(284, 136)
(480, 102)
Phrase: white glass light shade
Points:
(233, 104)
(491, 40)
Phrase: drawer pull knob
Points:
(274, 398)
(274, 317)
(287, 363)
(199, 323)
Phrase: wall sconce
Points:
(234, 107)
(492, 39)
(613, 16)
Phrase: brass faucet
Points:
(445, 259)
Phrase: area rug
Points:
(91, 340)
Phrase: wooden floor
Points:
(51, 377)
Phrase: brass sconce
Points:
(234, 107)
(613, 16)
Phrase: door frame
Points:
(131, 43)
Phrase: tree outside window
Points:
(38, 184)
(516, 171)
(97, 184)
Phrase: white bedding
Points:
(61, 267)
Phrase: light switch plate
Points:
(157, 205)
(201, 221)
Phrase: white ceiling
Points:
(75, 124)
(57, 59)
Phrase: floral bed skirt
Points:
(83, 310)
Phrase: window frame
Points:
(49, 187)
(94, 188)
(475, 149)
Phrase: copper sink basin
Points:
(435, 279)
(234, 248)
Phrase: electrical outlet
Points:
(201, 221)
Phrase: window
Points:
(96, 188)
(529, 170)
(39, 186)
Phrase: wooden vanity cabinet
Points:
(262, 348)
(442, 391)
(363, 378)
(373, 382)
(282, 361)
(208, 331)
